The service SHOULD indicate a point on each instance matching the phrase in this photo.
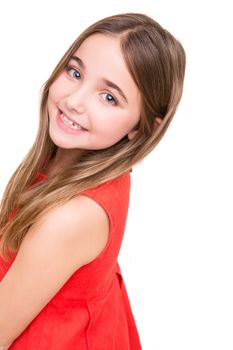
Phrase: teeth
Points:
(70, 123)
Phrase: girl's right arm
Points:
(63, 240)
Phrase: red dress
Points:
(92, 310)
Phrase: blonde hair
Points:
(156, 61)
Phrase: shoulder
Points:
(71, 226)
(68, 229)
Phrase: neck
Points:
(63, 158)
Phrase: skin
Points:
(83, 95)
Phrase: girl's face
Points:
(94, 102)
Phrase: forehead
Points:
(103, 59)
(99, 46)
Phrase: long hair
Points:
(156, 62)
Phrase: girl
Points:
(106, 105)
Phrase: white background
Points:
(176, 256)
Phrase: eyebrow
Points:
(106, 81)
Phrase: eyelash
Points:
(114, 100)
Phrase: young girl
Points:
(106, 105)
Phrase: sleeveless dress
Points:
(92, 310)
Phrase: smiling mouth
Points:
(70, 123)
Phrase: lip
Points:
(65, 128)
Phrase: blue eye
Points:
(110, 99)
(75, 73)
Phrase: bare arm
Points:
(78, 230)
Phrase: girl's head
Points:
(134, 53)
(121, 81)
(96, 91)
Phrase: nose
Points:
(75, 100)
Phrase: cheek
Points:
(56, 90)
(52, 95)
(111, 125)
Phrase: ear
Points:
(158, 120)
(132, 134)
